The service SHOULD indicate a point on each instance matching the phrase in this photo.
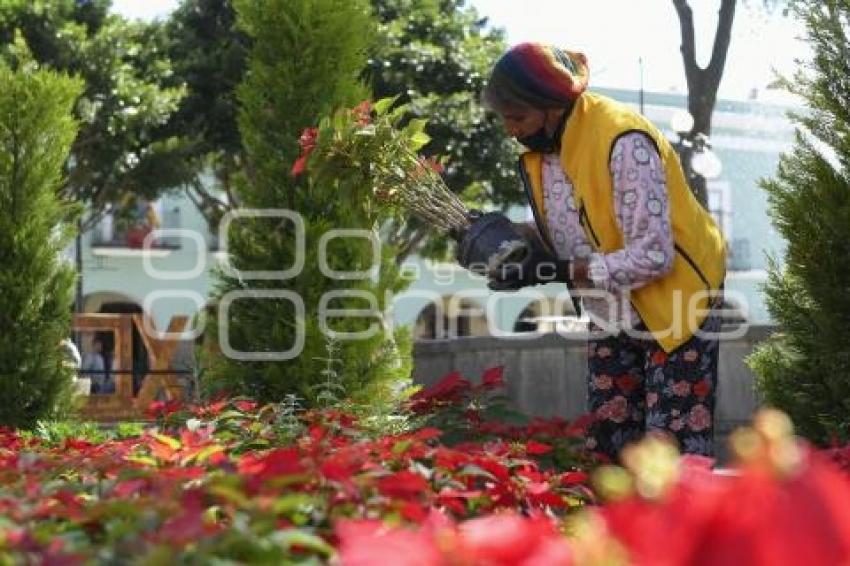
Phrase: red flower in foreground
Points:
(753, 517)
(496, 540)
(364, 543)
(307, 141)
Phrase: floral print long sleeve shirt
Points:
(641, 208)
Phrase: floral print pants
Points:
(635, 387)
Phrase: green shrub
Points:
(304, 62)
(36, 131)
(805, 369)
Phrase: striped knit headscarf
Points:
(536, 75)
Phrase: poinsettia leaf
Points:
(207, 452)
(230, 493)
(473, 470)
(290, 538)
(139, 459)
(172, 443)
(291, 502)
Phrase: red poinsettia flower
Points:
(535, 448)
(307, 141)
(493, 378)
(277, 462)
(451, 387)
(508, 538)
(804, 519)
(162, 409)
(363, 543)
(402, 485)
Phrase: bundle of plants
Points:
(368, 145)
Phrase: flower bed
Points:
(236, 482)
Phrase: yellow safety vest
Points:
(674, 306)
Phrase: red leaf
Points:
(186, 527)
(77, 444)
(340, 466)
(493, 378)
(299, 166)
(307, 141)
(427, 433)
(573, 478)
(129, 487)
(161, 409)
(402, 485)
(535, 448)
(366, 543)
(413, 512)
(505, 539)
(279, 462)
(246, 406)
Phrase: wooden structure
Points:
(123, 405)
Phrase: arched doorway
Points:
(451, 317)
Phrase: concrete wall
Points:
(547, 375)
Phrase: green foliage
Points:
(330, 391)
(280, 97)
(54, 433)
(804, 369)
(437, 55)
(121, 146)
(209, 56)
(36, 131)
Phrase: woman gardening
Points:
(618, 223)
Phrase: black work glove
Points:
(540, 266)
(489, 239)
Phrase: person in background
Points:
(618, 223)
(94, 366)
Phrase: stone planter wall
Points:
(547, 375)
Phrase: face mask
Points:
(539, 141)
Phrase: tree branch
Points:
(210, 206)
(688, 47)
(722, 38)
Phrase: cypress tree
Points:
(805, 369)
(305, 59)
(36, 132)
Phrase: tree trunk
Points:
(702, 83)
